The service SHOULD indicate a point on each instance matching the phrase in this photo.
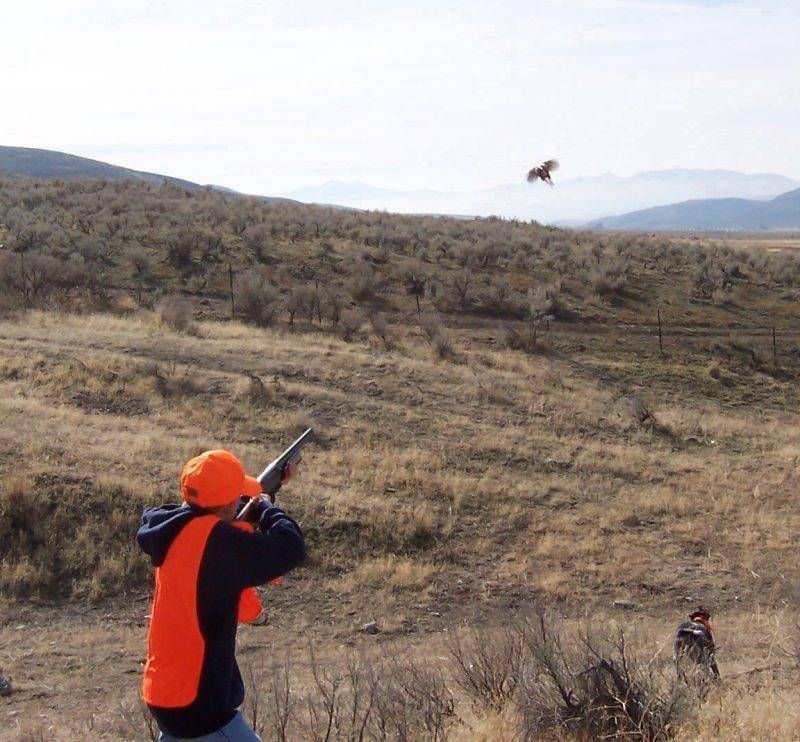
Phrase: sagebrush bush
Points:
(382, 331)
(609, 279)
(75, 244)
(257, 300)
(350, 323)
(175, 312)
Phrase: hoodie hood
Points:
(159, 528)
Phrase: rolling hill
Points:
(781, 212)
(45, 163)
(48, 164)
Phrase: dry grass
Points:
(490, 464)
(438, 492)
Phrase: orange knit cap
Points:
(216, 478)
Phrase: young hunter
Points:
(206, 565)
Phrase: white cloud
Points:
(267, 96)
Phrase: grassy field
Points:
(441, 493)
(501, 432)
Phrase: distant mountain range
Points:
(782, 212)
(572, 201)
(662, 199)
(47, 164)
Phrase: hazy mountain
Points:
(782, 212)
(572, 199)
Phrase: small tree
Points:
(461, 283)
(295, 302)
(141, 270)
(331, 306)
(415, 277)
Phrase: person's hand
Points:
(256, 508)
(289, 471)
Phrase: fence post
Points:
(660, 334)
(230, 290)
(774, 349)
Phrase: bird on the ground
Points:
(5, 686)
(694, 642)
(542, 172)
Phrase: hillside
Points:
(573, 200)
(44, 163)
(499, 430)
(79, 239)
(782, 212)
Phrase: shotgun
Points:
(271, 478)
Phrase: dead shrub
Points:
(331, 305)
(488, 666)
(363, 283)
(175, 312)
(136, 722)
(256, 392)
(526, 337)
(425, 690)
(431, 325)
(444, 348)
(359, 697)
(594, 689)
(273, 706)
(547, 301)
(169, 380)
(298, 422)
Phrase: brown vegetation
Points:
(458, 472)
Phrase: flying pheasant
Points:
(542, 172)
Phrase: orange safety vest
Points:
(175, 645)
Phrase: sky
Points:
(267, 96)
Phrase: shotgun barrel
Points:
(271, 478)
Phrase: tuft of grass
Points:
(389, 573)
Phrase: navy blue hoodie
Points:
(233, 560)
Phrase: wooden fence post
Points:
(660, 333)
(230, 289)
(774, 349)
